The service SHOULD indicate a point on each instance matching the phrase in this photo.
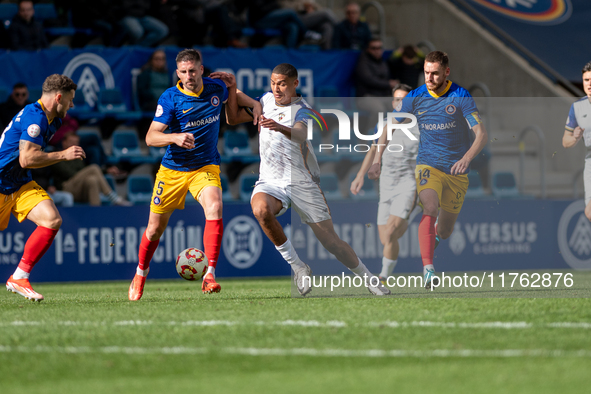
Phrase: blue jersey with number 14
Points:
(444, 121)
(30, 124)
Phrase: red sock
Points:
(36, 246)
(427, 238)
(147, 249)
(212, 240)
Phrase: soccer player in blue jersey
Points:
(22, 148)
(445, 114)
(191, 110)
(578, 126)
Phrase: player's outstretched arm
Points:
(31, 155)
(297, 133)
(479, 143)
(357, 183)
(157, 137)
(572, 138)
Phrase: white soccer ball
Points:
(191, 264)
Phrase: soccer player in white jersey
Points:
(578, 125)
(398, 189)
(289, 176)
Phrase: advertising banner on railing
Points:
(106, 68)
(102, 243)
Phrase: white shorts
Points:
(400, 205)
(306, 199)
(587, 180)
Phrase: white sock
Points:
(289, 254)
(20, 274)
(361, 269)
(211, 270)
(141, 272)
(428, 267)
(388, 266)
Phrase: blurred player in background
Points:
(578, 125)
(289, 176)
(398, 188)
(191, 110)
(22, 148)
(445, 113)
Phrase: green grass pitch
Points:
(253, 337)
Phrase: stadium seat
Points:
(246, 182)
(226, 195)
(7, 11)
(475, 188)
(504, 185)
(82, 110)
(112, 104)
(157, 152)
(329, 183)
(45, 11)
(139, 189)
(236, 144)
(368, 191)
(309, 48)
(125, 144)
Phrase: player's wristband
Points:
(249, 111)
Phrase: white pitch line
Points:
(309, 323)
(305, 352)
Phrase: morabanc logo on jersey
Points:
(202, 122)
(544, 12)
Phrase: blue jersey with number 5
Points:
(197, 113)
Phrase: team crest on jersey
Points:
(450, 109)
(159, 111)
(34, 131)
(156, 200)
(424, 181)
(215, 101)
(281, 117)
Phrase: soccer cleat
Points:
(209, 285)
(136, 288)
(383, 280)
(379, 290)
(23, 287)
(304, 287)
(430, 278)
(437, 239)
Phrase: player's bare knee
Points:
(262, 211)
(54, 222)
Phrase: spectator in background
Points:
(268, 14)
(25, 32)
(352, 33)
(406, 65)
(97, 15)
(372, 78)
(86, 183)
(43, 177)
(15, 102)
(153, 81)
(320, 20)
(189, 21)
(138, 27)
